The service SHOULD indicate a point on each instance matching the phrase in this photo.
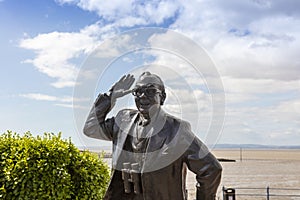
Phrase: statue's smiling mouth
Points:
(145, 105)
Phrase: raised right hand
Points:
(122, 87)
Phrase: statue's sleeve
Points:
(96, 125)
(207, 169)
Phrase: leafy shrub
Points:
(49, 167)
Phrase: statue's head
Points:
(149, 92)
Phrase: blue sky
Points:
(254, 44)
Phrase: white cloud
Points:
(276, 123)
(287, 110)
(254, 43)
(261, 128)
(110, 10)
(45, 97)
(71, 106)
(259, 86)
(55, 51)
(64, 1)
(192, 65)
(129, 13)
(131, 21)
(113, 47)
(235, 98)
(247, 39)
(229, 35)
(268, 54)
(39, 97)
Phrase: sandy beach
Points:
(257, 169)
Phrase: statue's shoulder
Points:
(171, 119)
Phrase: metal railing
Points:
(232, 193)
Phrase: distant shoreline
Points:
(254, 146)
(216, 147)
(233, 155)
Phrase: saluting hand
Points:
(122, 87)
(119, 89)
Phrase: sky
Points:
(253, 44)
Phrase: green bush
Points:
(49, 167)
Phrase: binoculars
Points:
(131, 178)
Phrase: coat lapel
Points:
(126, 124)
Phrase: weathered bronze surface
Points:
(151, 149)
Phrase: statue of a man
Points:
(151, 149)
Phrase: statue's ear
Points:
(163, 98)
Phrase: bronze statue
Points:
(151, 149)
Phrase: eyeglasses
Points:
(148, 91)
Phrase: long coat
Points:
(171, 148)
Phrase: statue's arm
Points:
(207, 169)
(96, 125)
